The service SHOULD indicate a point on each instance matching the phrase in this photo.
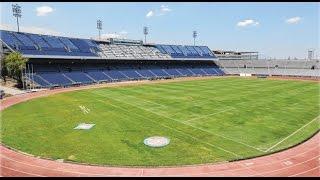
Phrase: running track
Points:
(302, 160)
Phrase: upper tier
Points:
(45, 46)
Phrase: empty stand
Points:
(35, 44)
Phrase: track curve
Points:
(301, 160)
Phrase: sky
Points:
(273, 29)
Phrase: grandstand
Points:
(304, 68)
(62, 61)
(56, 61)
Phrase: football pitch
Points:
(207, 121)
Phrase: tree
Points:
(3, 70)
(14, 64)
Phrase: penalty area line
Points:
(182, 132)
(292, 134)
(187, 124)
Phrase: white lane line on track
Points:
(187, 124)
(212, 145)
(51, 169)
(23, 172)
(92, 174)
(287, 167)
(292, 134)
(318, 167)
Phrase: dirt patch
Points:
(293, 78)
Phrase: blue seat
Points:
(98, 76)
(55, 43)
(8, 38)
(26, 41)
(210, 71)
(219, 71)
(69, 44)
(173, 72)
(115, 75)
(131, 74)
(185, 72)
(159, 73)
(39, 80)
(179, 51)
(146, 73)
(79, 77)
(56, 79)
(39, 41)
(197, 71)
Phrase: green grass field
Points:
(207, 121)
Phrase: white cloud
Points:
(150, 14)
(164, 8)
(44, 10)
(30, 29)
(123, 32)
(247, 22)
(293, 20)
(159, 12)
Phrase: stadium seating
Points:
(123, 60)
(111, 51)
(52, 76)
(98, 76)
(34, 44)
(179, 51)
(271, 67)
(55, 79)
(79, 77)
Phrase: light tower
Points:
(99, 27)
(194, 35)
(145, 32)
(310, 54)
(16, 10)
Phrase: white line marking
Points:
(212, 145)
(200, 117)
(21, 171)
(292, 134)
(305, 171)
(249, 163)
(84, 109)
(141, 174)
(143, 99)
(267, 163)
(287, 163)
(200, 128)
(268, 172)
(187, 124)
(52, 169)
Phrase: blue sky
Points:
(274, 29)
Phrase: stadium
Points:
(89, 107)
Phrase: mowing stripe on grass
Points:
(143, 99)
(206, 102)
(292, 134)
(200, 117)
(212, 145)
(244, 94)
(187, 124)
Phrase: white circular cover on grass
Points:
(156, 141)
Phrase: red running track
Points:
(302, 160)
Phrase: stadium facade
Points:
(56, 61)
(234, 55)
